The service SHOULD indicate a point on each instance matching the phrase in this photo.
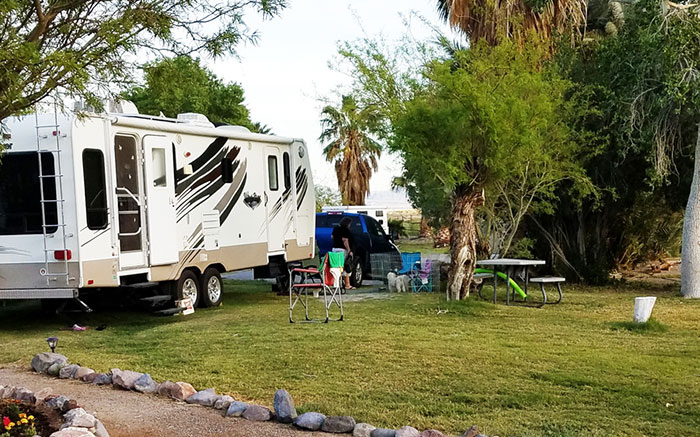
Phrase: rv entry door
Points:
(129, 202)
(274, 201)
(160, 200)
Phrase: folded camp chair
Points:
(327, 278)
(422, 278)
(409, 261)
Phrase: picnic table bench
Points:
(508, 266)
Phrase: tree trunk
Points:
(463, 241)
(690, 257)
(425, 230)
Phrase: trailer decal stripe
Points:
(215, 183)
(302, 185)
(280, 202)
(199, 198)
(99, 234)
(224, 215)
(185, 186)
(201, 159)
(215, 164)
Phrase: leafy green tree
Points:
(178, 85)
(84, 47)
(494, 120)
(646, 123)
(484, 117)
(351, 147)
(326, 196)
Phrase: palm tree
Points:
(495, 20)
(350, 147)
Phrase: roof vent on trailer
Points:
(195, 119)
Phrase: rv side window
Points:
(20, 194)
(95, 193)
(272, 172)
(287, 171)
(158, 162)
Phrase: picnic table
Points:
(508, 266)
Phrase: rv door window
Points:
(126, 163)
(272, 172)
(20, 193)
(95, 190)
(128, 199)
(287, 171)
(158, 162)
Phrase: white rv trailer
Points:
(129, 198)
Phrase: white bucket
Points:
(643, 307)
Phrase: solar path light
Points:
(52, 341)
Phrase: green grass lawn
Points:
(565, 370)
(406, 245)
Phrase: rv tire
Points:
(211, 288)
(188, 286)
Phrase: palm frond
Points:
(496, 20)
(347, 130)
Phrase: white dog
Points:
(398, 284)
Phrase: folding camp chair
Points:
(327, 278)
(422, 277)
(409, 261)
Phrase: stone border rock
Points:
(77, 421)
(284, 410)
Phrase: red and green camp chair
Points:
(328, 279)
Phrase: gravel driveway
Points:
(131, 414)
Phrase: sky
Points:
(287, 73)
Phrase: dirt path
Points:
(131, 414)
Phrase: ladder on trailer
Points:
(60, 274)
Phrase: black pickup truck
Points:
(369, 239)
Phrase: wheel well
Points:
(193, 269)
(219, 267)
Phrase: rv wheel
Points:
(212, 288)
(188, 287)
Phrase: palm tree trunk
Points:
(690, 256)
(463, 241)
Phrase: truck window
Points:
(20, 209)
(95, 190)
(333, 220)
(373, 228)
(272, 172)
(287, 171)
